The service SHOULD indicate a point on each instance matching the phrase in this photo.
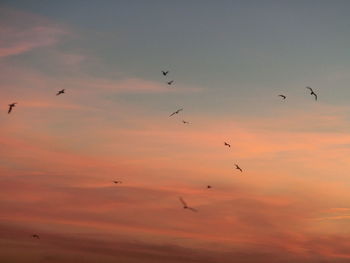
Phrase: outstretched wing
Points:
(10, 109)
(309, 89)
(172, 114)
(315, 95)
(239, 168)
(182, 201)
(192, 209)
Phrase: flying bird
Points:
(185, 122)
(35, 236)
(312, 92)
(186, 206)
(165, 72)
(238, 168)
(11, 106)
(170, 82)
(117, 182)
(282, 96)
(227, 144)
(60, 92)
(209, 186)
(175, 112)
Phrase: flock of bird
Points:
(165, 73)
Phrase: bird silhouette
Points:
(209, 186)
(312, 92)
(238, 168)
(170, 82)
(186, 206)
(35, 236)
(282, 96)
(185, 122)
(117, 182)
(165, 72)
(11, 106)
(227, 144)
(175, 112)
(60, 92)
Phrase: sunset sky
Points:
(229, 60)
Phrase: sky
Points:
(229, 61)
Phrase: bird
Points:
(185, 122)
(282, 96)
(175, 112)
(35, 236)
(165, 72)
(117, 182)
(170, 82)
(209, 186)
(312, 92)
(227, 144)
(60, 92)
(11, 106)
(238, 168)
(186, 206)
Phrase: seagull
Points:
(165, 72)
(227, 144)
(35, 236)
(209, 186)
(11, 106)
(186, 206)
(117, 182)
(238, 168)
(312, 92)
(60, 92)
(170, 82)
(185, 122)
(282, 96)
(175, 112)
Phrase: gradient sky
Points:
(230, 60)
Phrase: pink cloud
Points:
(21, 32)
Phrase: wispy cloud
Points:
(21, 32)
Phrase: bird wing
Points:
(182, 201)
(172, 114)
(315, 95)
(309, 89)
(10, 109)
(192, 209)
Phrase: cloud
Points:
(54, 247)
(21, 32)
